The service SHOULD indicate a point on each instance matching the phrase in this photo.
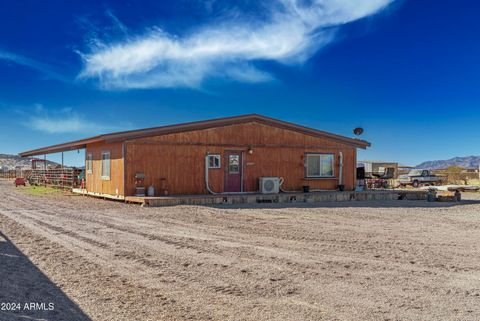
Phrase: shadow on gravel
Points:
(27, 294)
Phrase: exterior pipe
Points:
(207, 186)
(237, 193)
(340, 174)
(281, 189)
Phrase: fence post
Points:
(63, 178)
(45, 169)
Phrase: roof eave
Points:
(198, 125)
(115, 137)
(64, 147)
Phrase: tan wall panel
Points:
(94, 181)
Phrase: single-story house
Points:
(226, 155)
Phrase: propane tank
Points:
(151, 191)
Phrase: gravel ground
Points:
(102, 260)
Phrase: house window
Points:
(89, 164)
(320, 165)
(106, 165)
(214, 161)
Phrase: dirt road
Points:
(101, 260)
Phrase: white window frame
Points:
(106, 177)
(319, 155)
(217, 156)
(89, 163)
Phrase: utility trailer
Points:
(449, 193)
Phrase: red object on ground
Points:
(20, 181)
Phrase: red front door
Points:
(233, 172)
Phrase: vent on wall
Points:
(269, 185)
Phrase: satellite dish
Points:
(358, 131)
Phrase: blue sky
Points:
(406, 71)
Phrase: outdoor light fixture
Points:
(250, 150)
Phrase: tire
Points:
(415, 184)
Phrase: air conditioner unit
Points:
(269, 185)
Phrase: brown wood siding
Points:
(180, 158)
(94, 181)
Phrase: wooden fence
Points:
(64, 178)
(8, 175)
(12, 174)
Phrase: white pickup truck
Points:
(419, 177)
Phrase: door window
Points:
(106, 165)
(233, 164)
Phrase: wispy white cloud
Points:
(43, 69)
(294, 30)
(116, 22)
(66, 120)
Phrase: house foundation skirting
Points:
(230, 199)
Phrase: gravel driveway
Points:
(102, 260)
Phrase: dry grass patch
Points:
(41, 190)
